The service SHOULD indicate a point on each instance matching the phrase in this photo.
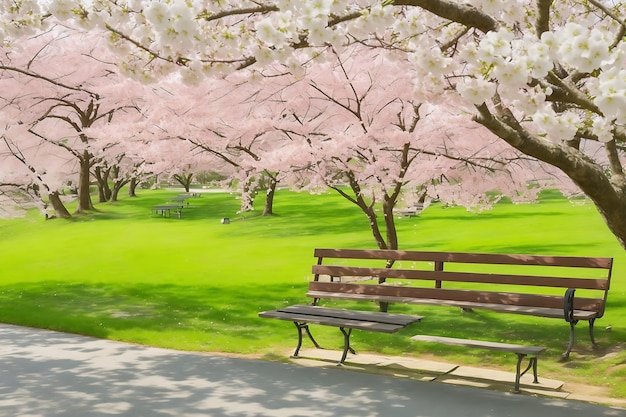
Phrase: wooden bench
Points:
(542, 286)
(520, 350)
(346, 320)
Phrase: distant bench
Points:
(542, 286)
(409, 211)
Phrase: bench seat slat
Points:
(453, 295)
(390, 318)
(503, 347)
(532, 311)
(463, 257)
(525, 280)
(333, 321)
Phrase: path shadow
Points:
(54, 374)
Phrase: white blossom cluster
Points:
(19, 18)
(508, 65)
(203, 38)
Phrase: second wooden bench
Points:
(536, 285)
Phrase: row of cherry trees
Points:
(69, 120)
(53, 91)
(349, 124)
(373, 99)
(546, 77)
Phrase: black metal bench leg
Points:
(299, 327)
(305, 327)
(591, 335)
(308, 332)
(346, 345)
(518, 373)
(536, 377)
(572, 326)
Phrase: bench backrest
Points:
(527, 280)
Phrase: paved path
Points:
(49, 374)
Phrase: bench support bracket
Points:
(305, 327)
(593, 339)
(572, 326)
(572, 335)
(532, 363)
(568, 311)
(346, 345)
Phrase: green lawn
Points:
(194, 283)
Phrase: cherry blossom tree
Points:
(230, 121)
(545, 77)
(54, 104)
(353, 126)
(22, 184)
(33, 173)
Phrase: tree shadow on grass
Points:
(538, 248)
(198, 313)
(487, 216)
(216, 318)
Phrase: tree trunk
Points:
(390, 222)
(269, 200)
(608, 192)
(374, 227)
(104, 190)
(59, 208)
(184, 180)
(367, 209)
(132, 187)
(117, 186)
(84, 198)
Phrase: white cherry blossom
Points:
(476, 90)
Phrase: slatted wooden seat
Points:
(542, 286)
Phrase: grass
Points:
(124, 273)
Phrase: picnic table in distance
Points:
(166, 209)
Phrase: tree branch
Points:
(236, 12)
(49, 80)
(570, 93)
(457, 12)
(617, 170)
(210, 150)
(543, 16)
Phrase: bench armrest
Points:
(568, 305)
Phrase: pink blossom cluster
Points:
(324, 92)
